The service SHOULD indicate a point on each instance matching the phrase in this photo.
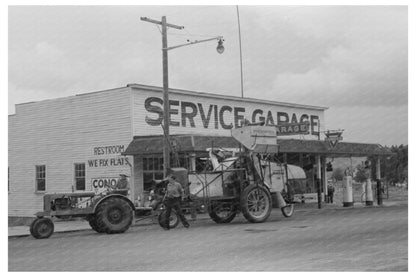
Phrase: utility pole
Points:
(166, 106)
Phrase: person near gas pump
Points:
(331, 191)
(173, 198)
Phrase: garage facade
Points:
(79, 143)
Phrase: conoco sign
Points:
(332, 137)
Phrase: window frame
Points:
(83, 170)
(39, 176)
(149, 163)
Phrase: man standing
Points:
(174, 195)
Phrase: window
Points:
(40, 177)
(80, 176)
(152, 169)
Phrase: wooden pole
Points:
(166, 106)
(166, 111)
(319, 179)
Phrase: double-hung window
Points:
(80, 176)
(152, 169)
(40, 178)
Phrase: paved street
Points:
(358, 239)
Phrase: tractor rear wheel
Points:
(221, 212)
(113, 215)
(42, 228)
(92, 220)
(256, 203)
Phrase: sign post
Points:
(333, 137)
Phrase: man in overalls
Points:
(174, 195)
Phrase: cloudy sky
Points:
(352, 59)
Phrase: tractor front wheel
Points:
(288, 210)
(113, 215)
(256, 203)
(42, 228)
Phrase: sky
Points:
(352, 59)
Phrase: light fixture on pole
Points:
(220, 47)
(166, 108)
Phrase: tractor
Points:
(108, 212)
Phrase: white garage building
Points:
(76, 143)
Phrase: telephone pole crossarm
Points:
(160, 23)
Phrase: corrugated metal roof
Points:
(186, 143)
(143, 145)
(324, 148)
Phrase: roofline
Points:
(71, 96)
(188, 92)
(228, 97)
(179, 135)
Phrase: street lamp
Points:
(166, 107)
(220, 47)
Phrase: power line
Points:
(241, 54)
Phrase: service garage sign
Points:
(216, 116)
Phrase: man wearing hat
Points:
(122, 183)
(174, 195)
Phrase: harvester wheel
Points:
(288, 210)
(113, 215)
(173, 220)
(42, 228)
(222, 212)
(256, 203)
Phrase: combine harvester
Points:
(245, 179)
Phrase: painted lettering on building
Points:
(108, 162)
(188, 114)
(292, 128)
(101, 184)
(117, 160)
(106, 150)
